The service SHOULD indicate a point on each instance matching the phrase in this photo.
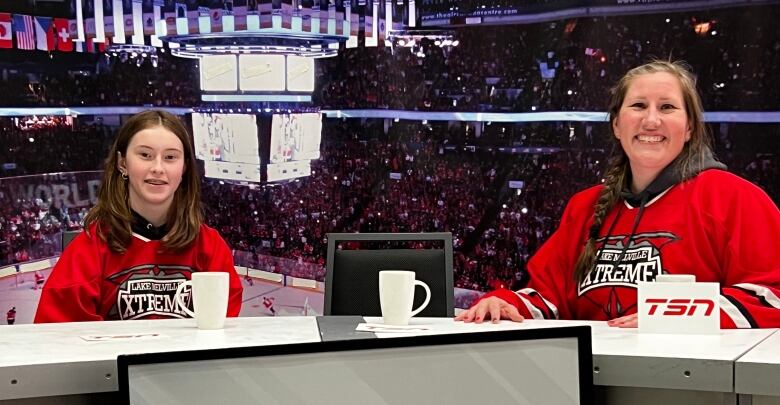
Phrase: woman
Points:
(666, 206)
(144, 237)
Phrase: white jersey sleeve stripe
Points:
(734, 313)
(535, 312)
(761, 291)
(553, 309)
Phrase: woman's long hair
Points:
(112, 215)
(694, 152)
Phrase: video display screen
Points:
(261, 72)
(257, 148)
(226, 137)
(219, 73)
(295, 137)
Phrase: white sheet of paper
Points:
(124, 337)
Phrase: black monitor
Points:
(352, 276)
(527, 366)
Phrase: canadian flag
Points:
(62, 36)
(5, 31)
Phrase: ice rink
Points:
(19, 291)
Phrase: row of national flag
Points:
(100, 22)
(42, 33)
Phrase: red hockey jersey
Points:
(92, 283)
(717, 226)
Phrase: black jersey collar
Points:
(146, 229)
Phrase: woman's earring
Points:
(124, 176)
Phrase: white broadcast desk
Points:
(671, 369)
(53, 363)
(633, 368)
(758, 372)
(54, 359)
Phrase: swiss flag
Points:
(61, 35)
(5, 31)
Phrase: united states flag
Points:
(25, 31)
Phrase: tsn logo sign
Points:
(679, 307)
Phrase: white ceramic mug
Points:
(209, 291)
(396, 296)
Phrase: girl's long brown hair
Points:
(112, 215)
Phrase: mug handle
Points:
(180, 299)
(427, 297)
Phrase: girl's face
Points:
(652, 124)
(154, 164)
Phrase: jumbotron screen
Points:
(228, 144)
(295, 137)
(247, 78)
(295, 142)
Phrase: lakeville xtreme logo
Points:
(148, 291)
(640, 262)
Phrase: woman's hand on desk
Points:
(628, 321)
(493, 309)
